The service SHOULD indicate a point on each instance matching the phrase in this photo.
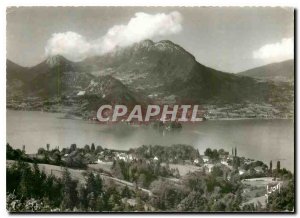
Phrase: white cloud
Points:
(69, 44)
(276, 52)
(142, 26)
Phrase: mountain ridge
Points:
(279, 71)
(148, 72)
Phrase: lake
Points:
(258, 139)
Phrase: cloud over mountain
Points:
(276, 52)
(142, 26)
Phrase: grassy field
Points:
(57, 171)
(79, 175)
(105, 166)
(183, 169)
(255, 190)
(264, 181)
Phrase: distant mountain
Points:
(282, 71)
(167, 73)
(16, 72)
(16, 78)
(112, 90)
(145, 66)
(160, 72)
(59, 77)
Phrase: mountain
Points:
(149, 72)
(112, 90)
(282, 71)
(145, 66)
(59, 77)
(16, 72)
(167, 73)
(16, 77)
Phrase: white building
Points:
(258, 169)
(81, 93)
(205, 159)
(99, 161)
(224, 162)
(242, 171)
(209, 167)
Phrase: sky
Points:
(227, 39)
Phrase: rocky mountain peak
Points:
(56, 60)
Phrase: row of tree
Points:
(29, 189)
(141, 172)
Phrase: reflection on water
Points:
(260, 139)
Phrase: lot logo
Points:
(272, 188)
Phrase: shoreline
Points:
(73, 117)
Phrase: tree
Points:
(218, 206)
(111, 202)
(142, 180)
(57, 157)
(249, 207)
(69, 192)
(26, 181)
(99, 149)
(91, 199)
(94, 184)
(99, 204)
(139, 204)
(76, 160)
(235, 152)
(82, 197)
(41, 151)
(98, 185)
(126, 193)
(73, 147)
(93, 147)
(117, 169)
(215, 154)
(278, 166)
(90, 183)
(48, 147)
(283, 200)
(217, 171)
(271, 167)
(208, 152)
(87, 149)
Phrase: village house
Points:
(224, 157)
(196, 161)
(224, 162)
(208, 167)
(242, 171)
(121, 156)
(205, 159)
(258, 169)
(99, 161)
(81, 93)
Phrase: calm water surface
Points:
(259, 139)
